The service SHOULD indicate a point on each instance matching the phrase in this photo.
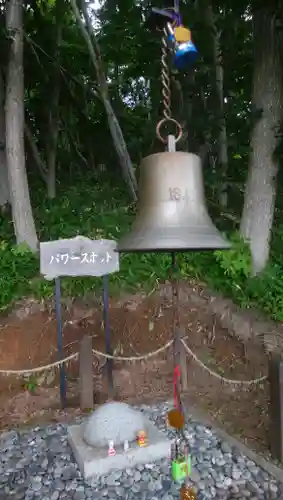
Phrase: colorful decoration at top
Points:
(179, 37)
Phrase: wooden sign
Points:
(78, 256)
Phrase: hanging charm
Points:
(182, 34)
(185, 52)
(180, 463)
(178, 37)
(187, 493)
(175, 417)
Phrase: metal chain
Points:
(165, 79)
(166, 95)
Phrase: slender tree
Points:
(18, 183)
(267, 100)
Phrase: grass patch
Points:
(99, 210)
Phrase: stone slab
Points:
(95, 461)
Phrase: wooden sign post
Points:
(76, 257)
(85, 373)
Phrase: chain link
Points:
(165, 79)
(166, 95)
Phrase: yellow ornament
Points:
(187, 493)
(182, 34)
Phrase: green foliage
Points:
(236, 263)
(18, 266)
(31, 384)
(99, 210)
(229, 273)
(97, 207)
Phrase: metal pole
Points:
(60, 341)
(109, 362)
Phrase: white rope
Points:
(216, 375)
(72, 357)
(75, 355)
(135, 358)
(39, 369)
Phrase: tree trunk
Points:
(36, 153)
(260, 193)
(18, 183)
(53, 128)
(4, 186)
(221, 121)
(114, 126)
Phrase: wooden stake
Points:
(275, 376)
(85, 373)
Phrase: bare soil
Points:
(139, 324)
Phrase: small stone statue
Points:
(111, 449)
(141, 439)
(126, 445)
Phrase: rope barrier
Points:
(39, 369)
(151, 354)
(134, 358)
(75, 355)
(224, 380)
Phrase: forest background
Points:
(80, 96)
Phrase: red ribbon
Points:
(176, 376)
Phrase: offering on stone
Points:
(141, 438)
(111, 449)
(113, 420)
(176, 419)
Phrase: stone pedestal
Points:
(117, 422)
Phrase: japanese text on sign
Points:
(84, 258)
(78, 256)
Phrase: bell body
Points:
(172, 214)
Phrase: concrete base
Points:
(95, 461)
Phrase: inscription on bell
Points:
(177, 194)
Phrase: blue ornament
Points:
(184, 54)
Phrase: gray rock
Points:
(79, 495)
(55, 495)
(113, 421)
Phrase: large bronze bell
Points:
(172, 214)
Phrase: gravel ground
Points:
(38, 464)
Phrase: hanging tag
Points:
(182, 34)
(171, 144)
(187, 493)
(175, 419)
